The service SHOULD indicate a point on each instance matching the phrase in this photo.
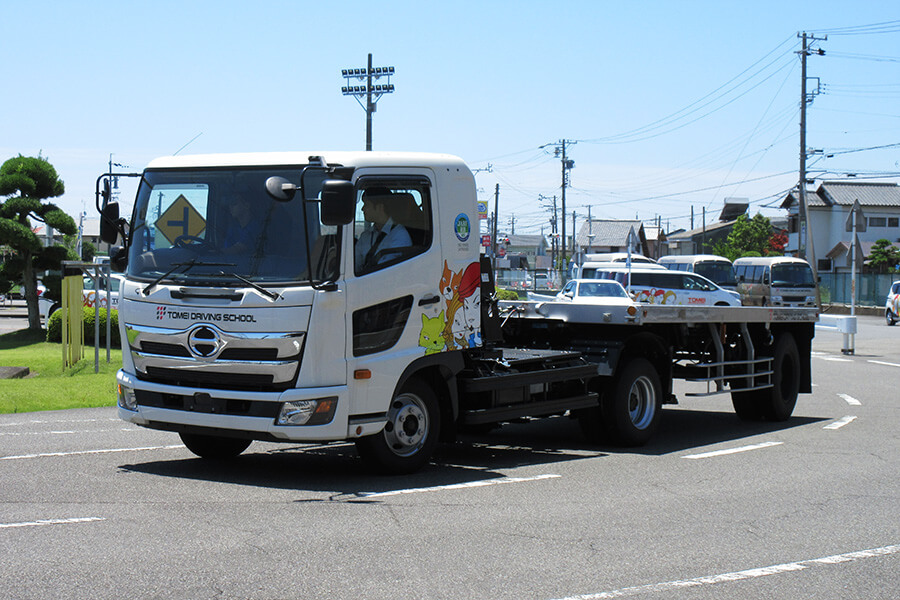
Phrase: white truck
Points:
(276, 324)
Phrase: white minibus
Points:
(775, 281)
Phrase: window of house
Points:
(877, 222)
(893, 222)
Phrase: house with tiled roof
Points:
(829, 210)
(596, 236)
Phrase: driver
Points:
(242, 232)
(382, 233)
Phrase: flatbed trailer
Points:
(758, 355)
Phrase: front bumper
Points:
(259, 412)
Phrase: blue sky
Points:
(672, 105)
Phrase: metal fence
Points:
(871, 289)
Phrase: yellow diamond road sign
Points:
(181, 218)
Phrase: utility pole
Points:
(559, 151)
(804, 236)
(372, 93)
(494, 227)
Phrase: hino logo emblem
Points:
(204, 341)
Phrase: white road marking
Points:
(850, 400)
(80, 452)
(44, 422)
(733, 450)
(458, 486)
(42, 522)
(840, 423)
(881, 362)
(670, 586)
(22, 433)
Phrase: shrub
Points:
(54, 326)
(507, 295)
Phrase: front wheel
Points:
(213, 446)
(632, 410)
(410, 434)
(890, 318)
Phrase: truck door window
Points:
(393, 224)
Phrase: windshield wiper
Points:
(255, 286)
(188, 266)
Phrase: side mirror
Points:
(280, 189)
(118, 259)
(338, 202)
(109, 223)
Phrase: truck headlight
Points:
(126, 398)
(307, 412)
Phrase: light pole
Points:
(371, 92)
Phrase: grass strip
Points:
(48, 387)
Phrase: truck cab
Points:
(251, 314)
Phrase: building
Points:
(829, 211)
(598, 236)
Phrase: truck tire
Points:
(775, 403)
(410, 435)
(632, 410)
(213, 446)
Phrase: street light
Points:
(372, 93)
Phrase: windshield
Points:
(216, 226)
(792, 275)
(719, 273)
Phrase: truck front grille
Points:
(206, 356)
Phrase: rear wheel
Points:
(212, 446)
(776, 403)
(410, 434)
(631, 411)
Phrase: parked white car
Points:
(605, 296)
(892, 306)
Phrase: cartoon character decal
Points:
(458, 325)
(431, 337)
(656, 296)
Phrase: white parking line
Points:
(45, 421)
(670, 586)
(458, 486)
(23, 433)
(881, 362)
(733, 450)
(840, 423)
(850, 400)
(79, 452)
(42, 522)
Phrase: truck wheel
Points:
(775, 403)
(212, 446)
(631, 412)
(410, 435)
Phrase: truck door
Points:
(393, 272)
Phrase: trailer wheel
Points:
(632, 410)
(775, 403)
(410, 435)
(214, 447)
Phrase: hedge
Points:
(54, 326)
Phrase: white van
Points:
(662, 286)
(595, 262)
(775, 281)
(717, 269)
